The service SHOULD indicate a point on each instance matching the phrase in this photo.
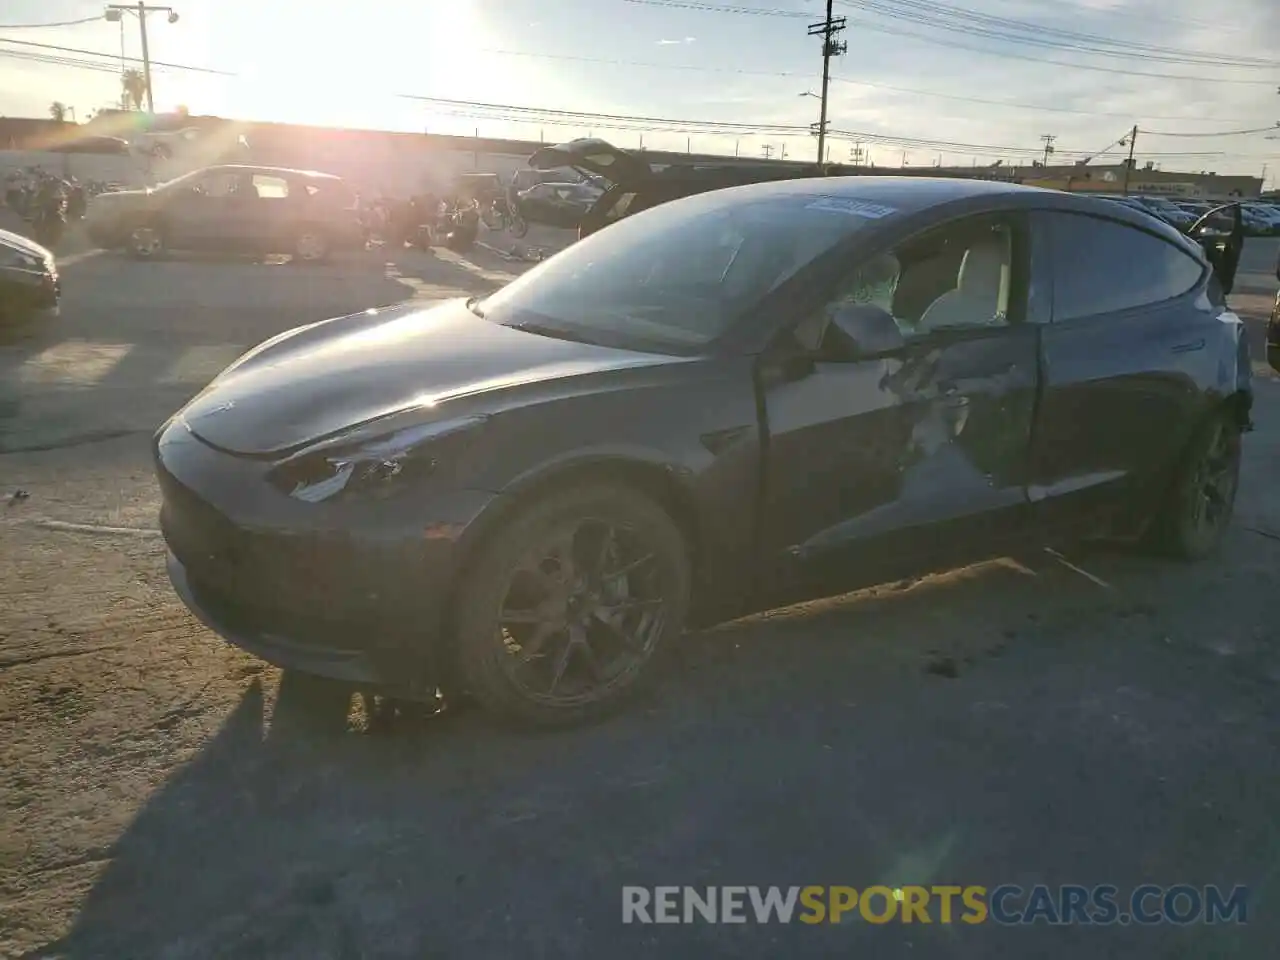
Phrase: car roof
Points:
(911, 195)
(906, 194)
(277, 171)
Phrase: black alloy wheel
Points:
(1200, 507)
(569, 606)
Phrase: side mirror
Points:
(862, 331)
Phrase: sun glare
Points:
(326, 64)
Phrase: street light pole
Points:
(116, 11)
(828, 29)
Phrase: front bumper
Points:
(27, 291)
(354, 592)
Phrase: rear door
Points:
(1127, 344)
(265, 213)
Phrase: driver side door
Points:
(879, 465)
(196, 217)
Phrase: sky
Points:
(921, 82)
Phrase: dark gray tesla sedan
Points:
(717, 405)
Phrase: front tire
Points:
(562, 617)
(147, 241)
(1198, 509)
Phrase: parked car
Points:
(726, 402)
(557, 204)
(522, 180)
(232, 208)
(29, 284)
(1264, 216)
(1167, 210)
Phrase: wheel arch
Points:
(654, 480)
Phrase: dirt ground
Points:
(1098, 718)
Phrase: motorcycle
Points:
(50, 223)
(501, 215)
(459, 227)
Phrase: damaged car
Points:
(632, 184)
(723, 403)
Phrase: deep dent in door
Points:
(946, 470)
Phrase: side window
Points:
(270, 188)
(1101, 266)
(959, 276)
(217, 186)
(621, 208)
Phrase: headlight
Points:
(371, 465)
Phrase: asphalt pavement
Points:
(1093, 718)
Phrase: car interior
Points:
(955, 277)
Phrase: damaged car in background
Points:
(724, 403)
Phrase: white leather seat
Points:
(976, 301)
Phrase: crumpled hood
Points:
(316, 381)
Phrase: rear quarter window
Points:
(1103, 266)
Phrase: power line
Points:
(60, 23)
(874, 85)
(114, 57)
(871, 84)
(551, 116)
(1212, 133)
(513, 113)
(951, 18)
(898, 31)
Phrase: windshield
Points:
(677, 276)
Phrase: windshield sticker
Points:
(858, 208)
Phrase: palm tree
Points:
(58, 110)
(134, 86)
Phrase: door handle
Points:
(1190, 347)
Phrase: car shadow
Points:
(1021, 720)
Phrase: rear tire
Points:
(602, 616)
(311, 246)
(1198, 509)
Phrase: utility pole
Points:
(115, 14)
(767, 150)
(828, 29)
(1048, 139)
(1128, 164)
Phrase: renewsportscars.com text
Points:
(1063, 905)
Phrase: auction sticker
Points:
(858, 208)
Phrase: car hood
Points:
(317, 381)
(15, 241)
